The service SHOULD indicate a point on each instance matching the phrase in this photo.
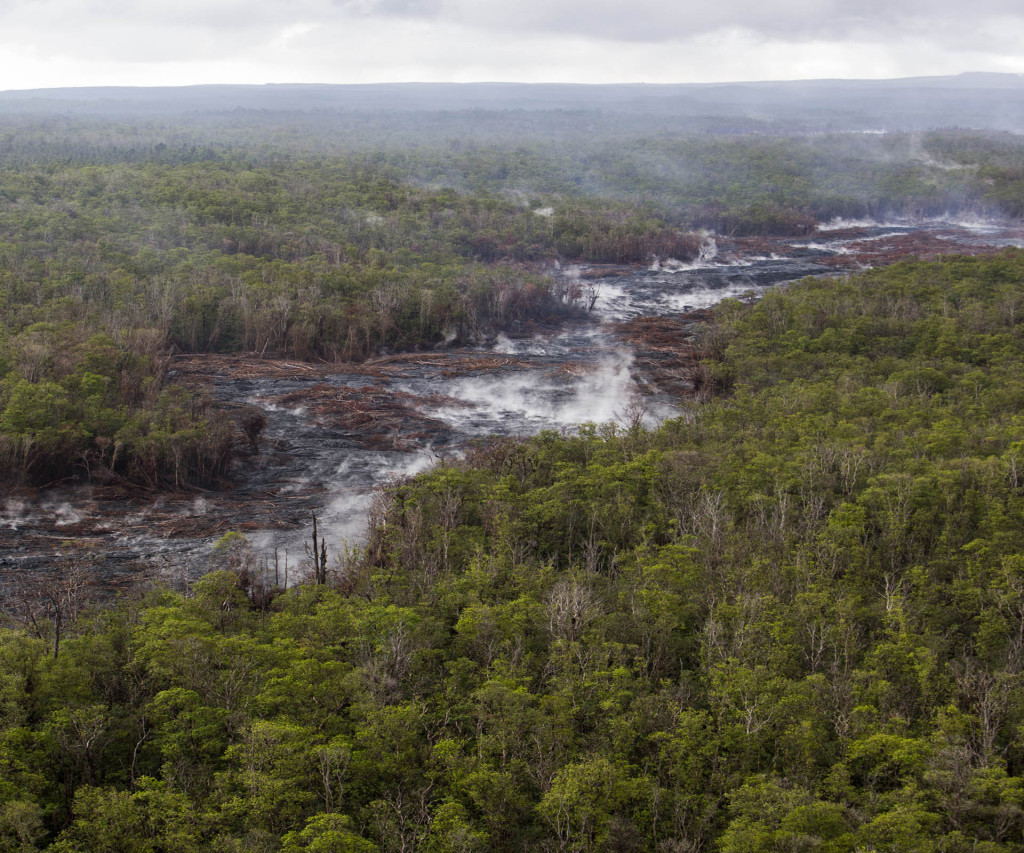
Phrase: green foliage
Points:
(790, 620)
(78, 406)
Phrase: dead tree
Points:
(318, 553)
(47, 603)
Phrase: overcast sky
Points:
(128, 42)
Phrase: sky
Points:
(46, 43)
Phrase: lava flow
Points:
(336, 432)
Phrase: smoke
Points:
(697, 299)
(344, 519)
(705, 258)
(538, 345)
(64, 514)
(49, 513)
(615, 303)
(833, 247)
(839, 223)
(967, 221)
(526, 402)
(14, 513)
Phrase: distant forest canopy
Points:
(742, 180)
(751, 158)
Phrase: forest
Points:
(105, 270)
(789, 619)
(116, 249)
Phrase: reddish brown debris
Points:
(374, 418)
(667, 353)
(925, 246)
(207, 368)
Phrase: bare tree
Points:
(49, 601)
(571, 607)
(318, 553)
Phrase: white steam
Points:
(65, 514)
(707, 298)
(967, 221)
(527, 402)
(705, 259)
(14, 513)
(344, 519)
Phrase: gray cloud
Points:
(339, 40)
(611, 20)
(394, 8)
(665, 20)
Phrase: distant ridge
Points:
(974, 99)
